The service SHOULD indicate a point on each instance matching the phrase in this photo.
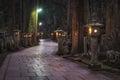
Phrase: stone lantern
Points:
(59, 38)
(29, 39)
(24, 39)
(16, 34)
(3, 41)
(94, 33)
(58, 33)
(94, 29)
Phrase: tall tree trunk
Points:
(109, 17)
(12, 15)
(75, 26)
(24, 17)
(21, 15)
(68, 16)
(81, 14)
(86, 11)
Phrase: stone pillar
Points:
(85, 45)
(94, 64)
(60, 51)
(94, 50)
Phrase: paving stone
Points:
(28, 74)
(42, 74)
(1, 77)
(34, 70)
(13, 74)
(13, 68)
(40, 78)
(17, 78)
(51, 77)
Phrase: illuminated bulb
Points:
(51, 34)
(59, 34)
(95, 30)
(39, 10)
(40, 24)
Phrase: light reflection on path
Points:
(40, 63)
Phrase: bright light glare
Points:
(95, 30)
(40, 24)
(39, 10)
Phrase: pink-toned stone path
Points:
(40, 63)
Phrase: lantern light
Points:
(90, 30)
(95, 31)
(59, 34)
(51, 34)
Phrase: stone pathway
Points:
(40, 63)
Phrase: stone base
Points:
(94, 66)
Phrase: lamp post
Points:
(94, 32)
(34, 20)
(39, 10)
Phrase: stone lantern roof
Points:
(94, 23)
(59, 30)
